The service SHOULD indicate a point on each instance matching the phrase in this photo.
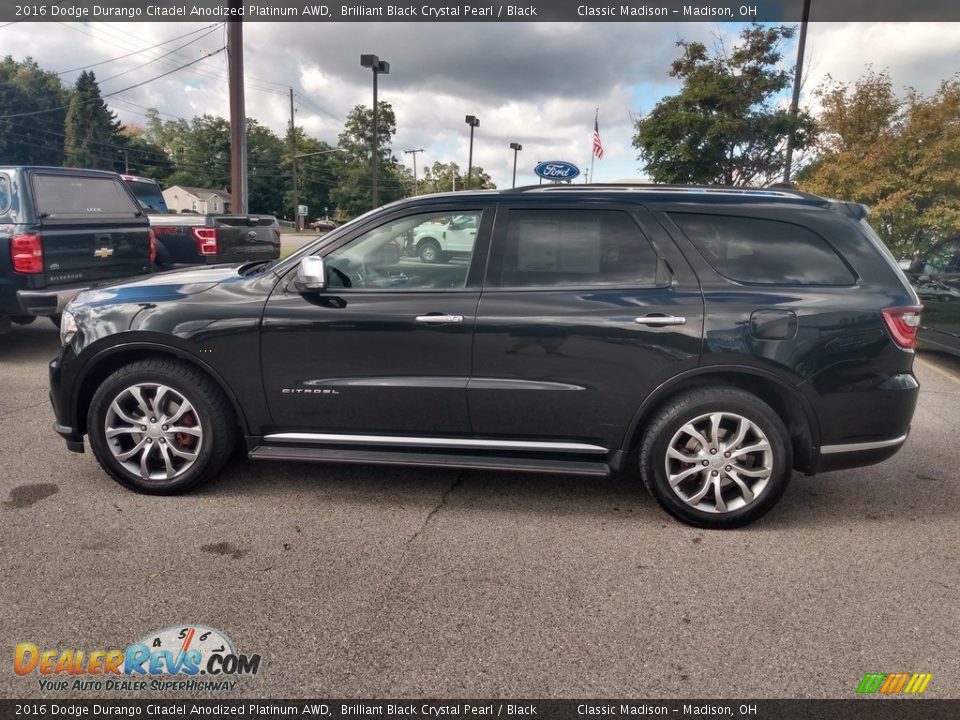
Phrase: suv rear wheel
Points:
(716, 457)
(159, 427)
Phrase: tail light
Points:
(206, 240)
(26, 254)
(903, 323)
(153, 247)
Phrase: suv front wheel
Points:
(159, 427)
(716, 457)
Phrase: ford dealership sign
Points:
(557, 170)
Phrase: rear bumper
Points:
(50, 301)
(851, 455)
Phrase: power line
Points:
(138, 52)
(116, 92)
(150, 62)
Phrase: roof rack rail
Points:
(773, 191)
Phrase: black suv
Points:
(713, 339)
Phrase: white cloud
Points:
(536, 84)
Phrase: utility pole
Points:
(238, 114)
(293, 162)
(797, 75)
(414, 153)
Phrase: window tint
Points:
(4, 193)
(149, 195)
(577, 248)
(942, 259)
(60, 195)
(769, 252)
(418, 252)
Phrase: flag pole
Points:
(593, 155)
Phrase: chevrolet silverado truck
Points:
(64, 230)
(191, 239)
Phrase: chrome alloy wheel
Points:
(719, 462)
(153, 431)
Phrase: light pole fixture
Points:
(516, 147)
(473, 121)
(379, 67)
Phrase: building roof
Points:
(205, 193)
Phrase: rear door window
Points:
(764, 252)
(578, 248)
(71, 196)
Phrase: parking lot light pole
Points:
(473, 121)
(379, 67)
(516, 147)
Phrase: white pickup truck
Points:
(439, 242)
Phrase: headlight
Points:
(68, 328)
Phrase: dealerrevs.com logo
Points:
(187, 658)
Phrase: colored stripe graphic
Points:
(918, 683)
(871, 682)
(894, 683)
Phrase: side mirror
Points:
(311, 275)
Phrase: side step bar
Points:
(400, 457)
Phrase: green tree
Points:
(38, 99)
(724, 126)
(899, 156)
(317, 174)
(141, 156)
(92, 138)
(204, 158)
(267, 179)
(445, 177)
(353, 193)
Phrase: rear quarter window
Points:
(60, 196)
(764, 252)
(5, 195)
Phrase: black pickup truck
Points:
(63, 230)
(192, 239)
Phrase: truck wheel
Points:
(716, 457)
(429, 250)
(160, 426)
(24, 319)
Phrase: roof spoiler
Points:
(858, 210)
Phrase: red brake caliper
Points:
(186, 440)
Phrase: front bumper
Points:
(62, 425)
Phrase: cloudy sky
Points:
(538, 84)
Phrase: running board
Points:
(397, 457)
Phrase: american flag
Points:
(597, 144)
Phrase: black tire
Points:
(24, 319)
(428, 250)
(213, 418)
(55, 319)
(698, 407)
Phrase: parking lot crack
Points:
(23, 409)
(437, 508)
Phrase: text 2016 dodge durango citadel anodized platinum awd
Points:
(713, 339)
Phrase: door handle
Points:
(439, 318)
(660, 320)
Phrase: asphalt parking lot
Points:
(379, 582)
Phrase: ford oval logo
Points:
(557, 170)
